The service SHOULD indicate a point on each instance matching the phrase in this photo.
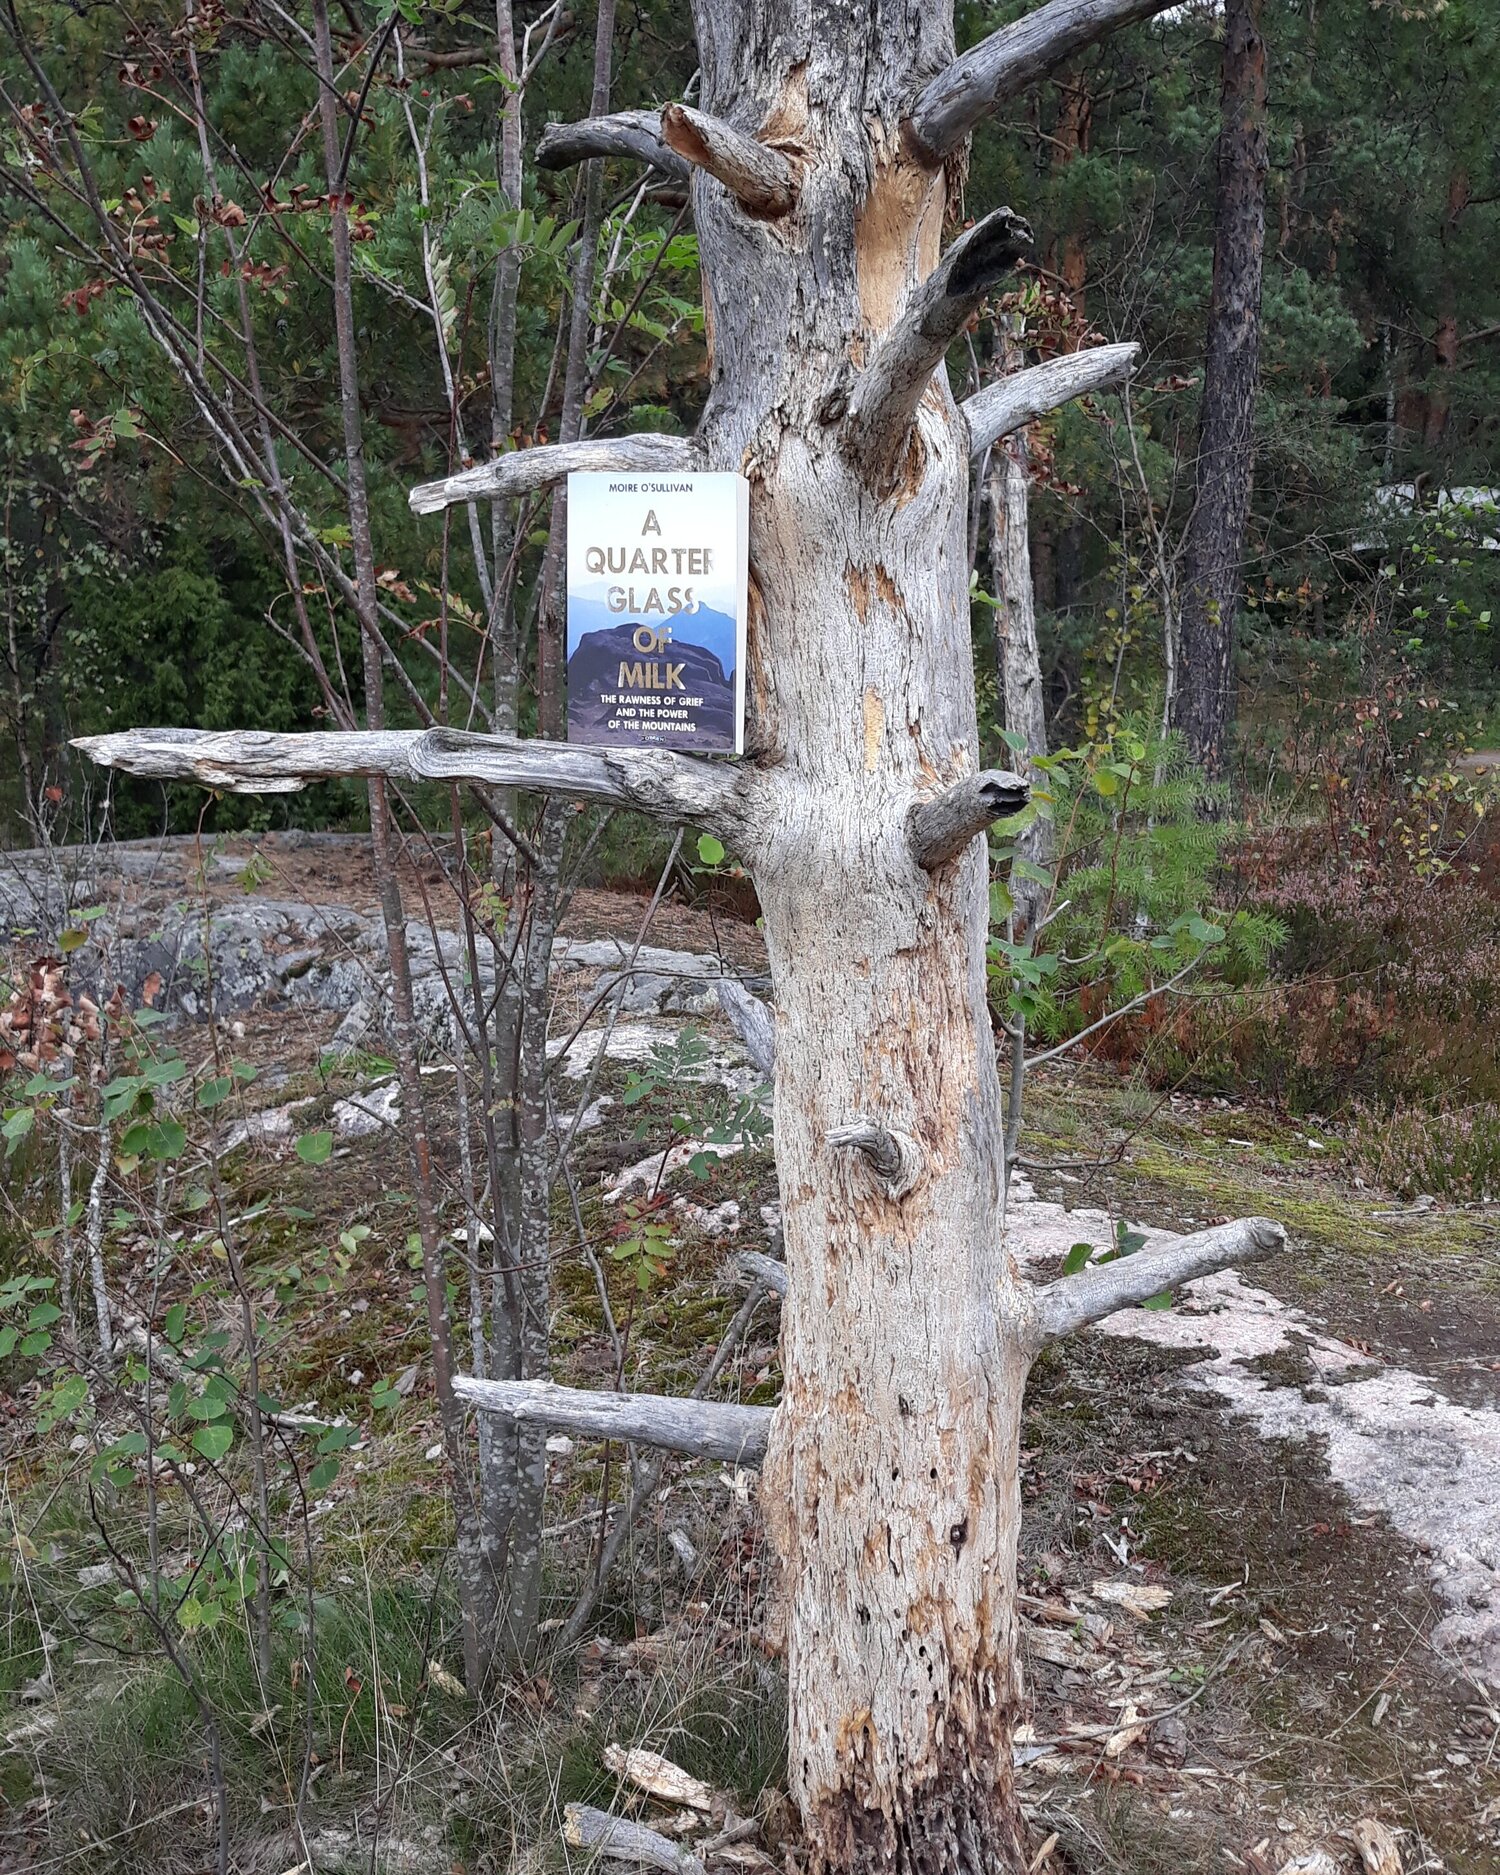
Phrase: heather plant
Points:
(1451, 1152)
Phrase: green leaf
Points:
(1077, 1258)
(155, 1139)
(314, 1148)
(1163, 1301)
(71, 941)
(323, 1474)
(175, 1325)
(214, 1441)
(215, 1090)
(710, 850)
(17, 1126)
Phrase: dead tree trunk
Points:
(1008, 498)
(1214, 548)
(820, 155)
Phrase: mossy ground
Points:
(108, 1765)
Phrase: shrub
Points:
(1453, 1152)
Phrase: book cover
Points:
(658, 570)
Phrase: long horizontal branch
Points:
(758, 177)
(1074, 1301)
(623, 133)
(887, 393)
(940, 828)
(1011, 61)
(1019, 399)
(523, 471)
(253, 761)
(701, 1428)
(673, 787)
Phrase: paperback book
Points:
(658, 572)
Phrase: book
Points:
(658, 575)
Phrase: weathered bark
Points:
(1008, 498)
(258, 761)
(735, 1435)
(634, 134)
(760, 179)
(1214, 547)
(1020, 396)
(1010, 61)
(890, 1484)
(890, 1481)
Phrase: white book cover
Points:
(658, 573)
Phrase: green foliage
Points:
(1129, 896)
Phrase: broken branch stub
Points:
(1008, 62)
(942, 827)
(895, 1159)
(1073, 1302)
(758, 177)
(1011, 402)
(735, 1435)
(523, 471)
(886, 395)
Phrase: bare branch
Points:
(752, 1020)
(701, 1428)
(252, 761)
(1011, 61)
(1074, 1301)
(255, 761)
(895, 1159)
(758, 177)
(941, 828)
(620, 1840)
(623, 133)
(892, 384)
(756, 1267)
(673, 787)
(525, 470)
(1013, 401)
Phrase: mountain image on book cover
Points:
(658, 606)
(700, 644)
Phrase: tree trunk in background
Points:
(1445, 337)
(1007, 496)
(1214, 547)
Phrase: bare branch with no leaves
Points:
(523, 471)
(886, 396)
(942, 827)
(1074, 1301)
(1008, 62)
(736, 1435)
(758, 177)
(1011, 402)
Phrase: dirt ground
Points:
(1275, 1689)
